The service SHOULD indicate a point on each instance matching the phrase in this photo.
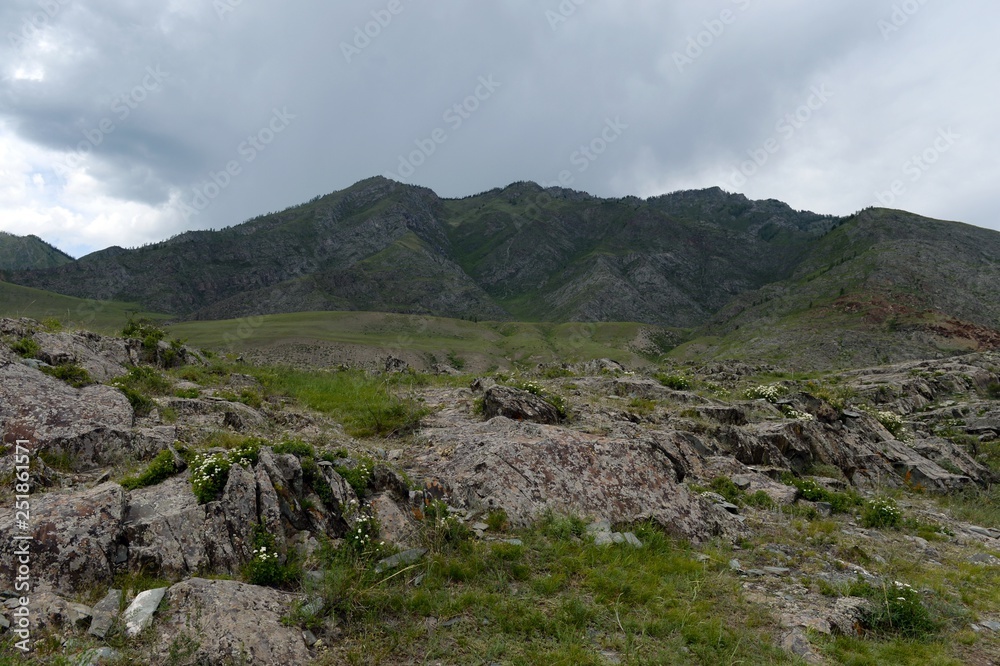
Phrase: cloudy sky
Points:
(124, 122)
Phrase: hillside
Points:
(885, 286)
(29, 252)
(516, 253)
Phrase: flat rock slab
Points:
(404, 558)
(529, 469)
(230, 622)
(92, 424)
(105, 613)
(139, 613)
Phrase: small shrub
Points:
(361, 540)
(769, 392)
(265, 567)
(675, 382)
(296, 447)
(760, 500)
(881, 512)
(890, 421)
(210, 471)
(440, 528)
(497, 520)
(896, 610)
(187, 393)
(159, 469)
(993, 391)
(358, 476)
(74, 375)
(725, 487)
(52, 324)
(26, 347)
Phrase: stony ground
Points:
(563, 514)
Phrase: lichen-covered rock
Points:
(77, 537)
(528, 470)
(518, 405)
(225, 621)
(90, 426)
(165, 529)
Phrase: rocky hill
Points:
(520, 252)
(28, 253)
(187, 509)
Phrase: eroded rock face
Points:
(78, 537)
(518, 405)
(91, 426)
(528, 469)
(230, 622)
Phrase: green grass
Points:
(553, 600)
(159, 469)
(473, 345)
(367, 406)
(100, 316)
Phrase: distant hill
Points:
(747, 279)
(29, 252)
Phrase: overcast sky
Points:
(124, 122)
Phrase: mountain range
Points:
(742, 276)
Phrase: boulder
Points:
(139, 614)
(528, 470)
(225, 621)
(519, 405)
(90, 426)
(77, 537)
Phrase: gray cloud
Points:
(689, 123)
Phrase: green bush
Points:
(361, 540)
(881, 512)
(675, 382)
(26, 347)
(210, 471)
(187, 393)
(993, 390)
(896, 610)
(265, 567)
(159, 469)
(74, 375)
(358, 476)
(296, 447)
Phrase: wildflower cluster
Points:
(795, 414)
(890, 421)
(557, 401)
(675, 382)
(357, 476)
(362, 536)
(265, 567)
(210, 471)
(769, 392)
(881, 512)
(441, 527)
(898, 609)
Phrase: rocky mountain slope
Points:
(519, 252)
(28, 253)
(747, 279)
(185, 509)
